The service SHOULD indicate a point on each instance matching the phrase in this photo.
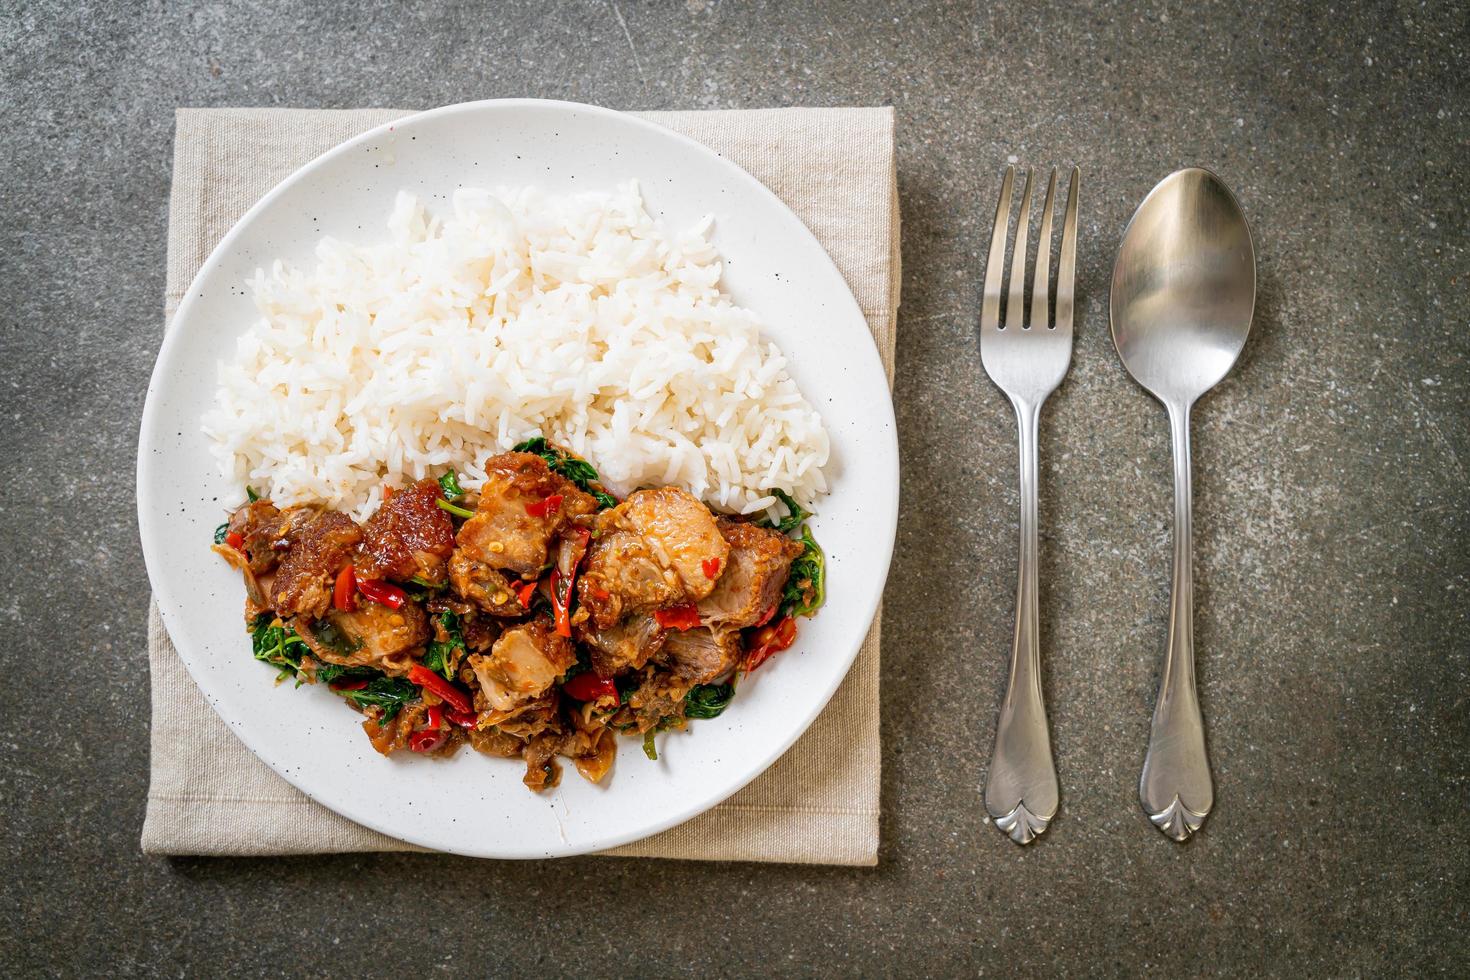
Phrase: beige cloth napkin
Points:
(819, 803)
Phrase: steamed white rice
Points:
(579, 318)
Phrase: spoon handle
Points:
(1021, 790)
(1175, 787)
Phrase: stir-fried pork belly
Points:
(396, 733)
(484, 641)
(268, 532)
(256, 539)
(408, 536)
(523, 505)
(542, 771)
(701, 655)
(658, 548)
(492, 741)
(626, 646)
(522, 664)
(322, 548)
(370, 636)
(658, 698)
(527, 719)
(754, 574)
(485, 586)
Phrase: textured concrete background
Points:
(1332, 561)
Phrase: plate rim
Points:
(884, 525)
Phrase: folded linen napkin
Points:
(819, 803)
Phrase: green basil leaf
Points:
(708, 700)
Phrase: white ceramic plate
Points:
(472, 804)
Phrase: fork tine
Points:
(995, 262)
(1043, 257)
(1067, 264)
(1016, 305)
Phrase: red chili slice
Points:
(524, 593)
(430, 681)
(768, 641)
(348, 684)
(590, 687)
(711, 567)
(543, 507)
(382, 592)
(426, 740)
(685, 617)
(344, 595)
(235, 540)
(431, 736)
(464, 719)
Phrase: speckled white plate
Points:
(473, 804)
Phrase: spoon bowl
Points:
(1183, 296)
(1184, 287)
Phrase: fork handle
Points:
(1175, 787)
(1021, 789)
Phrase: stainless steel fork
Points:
(1027, 359)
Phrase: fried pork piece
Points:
(626, 646)
(513, 531)
(658, 698)
(656, 549)
(522, 664)
(484, 585)
(753, 576)
(592, 751)
(479, 631)
(514, 525)
(492, 741)
(409, 535)
(542, 771)
(372, 636)
(528, 719)
(268, 532)
(701, 655)
(322, 546)
(391, 736)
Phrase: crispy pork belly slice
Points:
(659, 698)
(626, 646)
(303, 585)
(622, 576)
(527, 719)
(492, 741)
(514, 525)
(542, 770)
(372, 636)
(409, 535)
(753, 575)
(268, 532)
(522, 664)
(592, 752)
(484, 585)
(701, 655)
(657, 548)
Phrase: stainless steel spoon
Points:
(1183, 295)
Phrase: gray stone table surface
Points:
(1331, 503)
